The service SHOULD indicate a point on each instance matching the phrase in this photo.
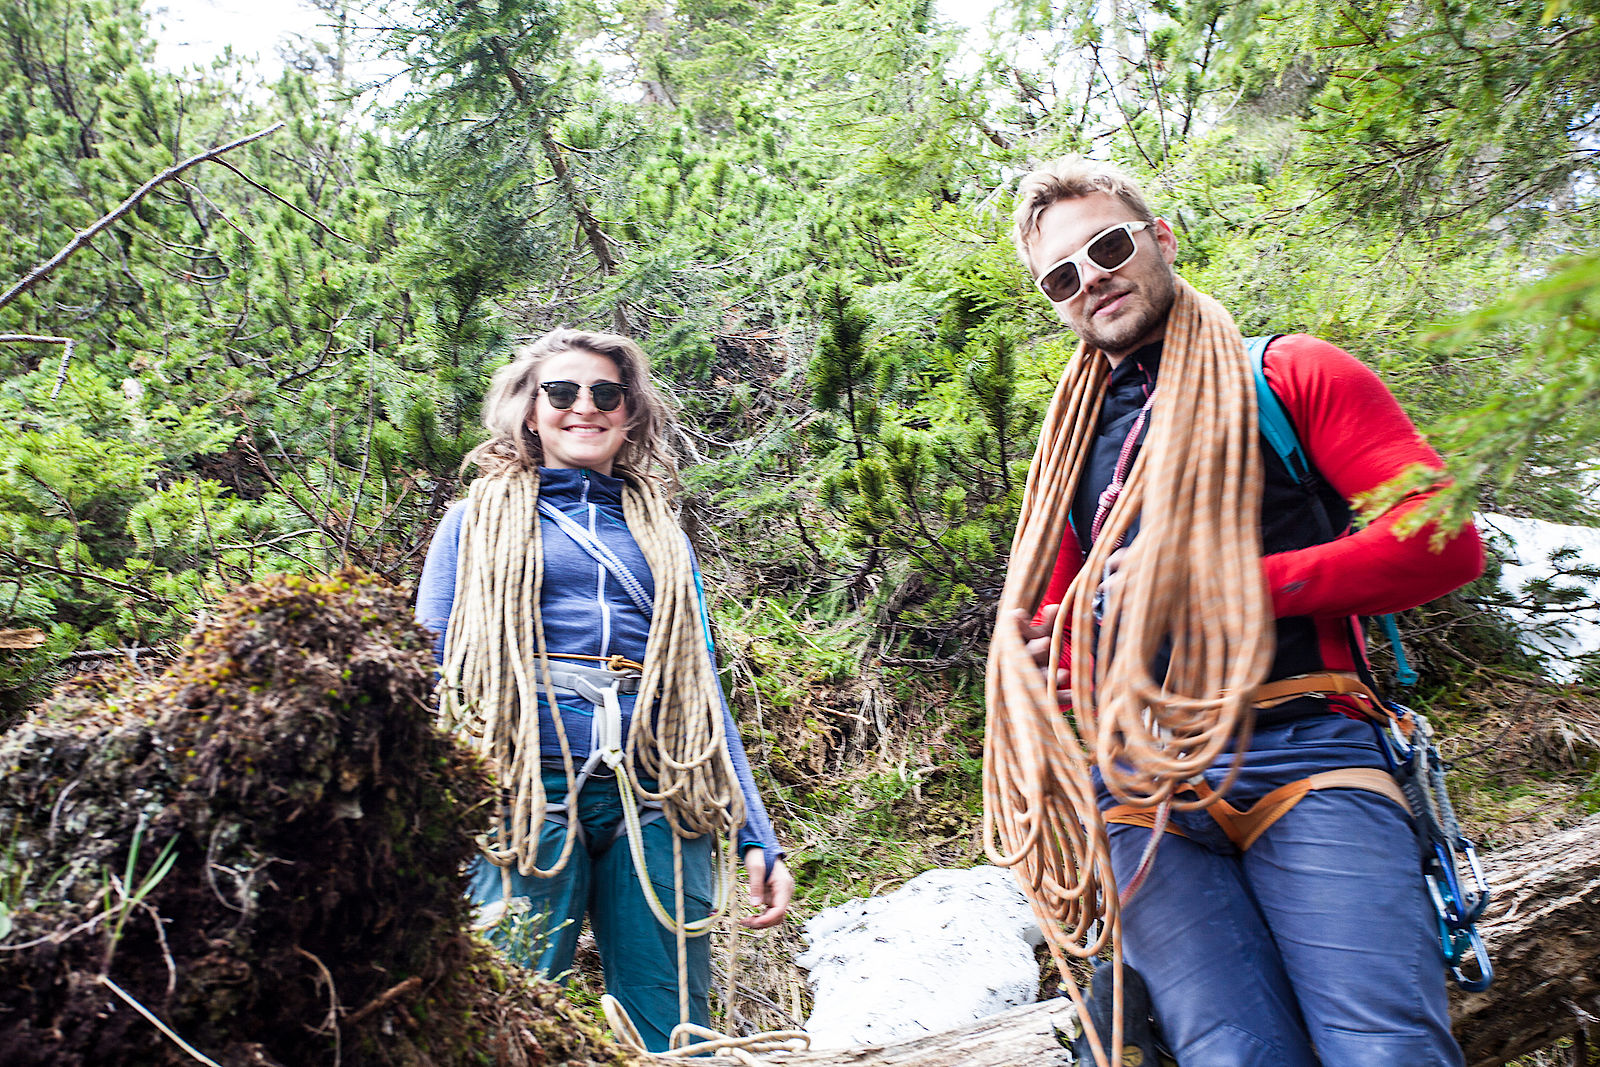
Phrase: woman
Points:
(564, 581)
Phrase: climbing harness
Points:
(1193, 577)
(497, 669)
(1406, 739)
(601, 687)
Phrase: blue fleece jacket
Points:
(586, 612)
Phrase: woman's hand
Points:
(770, 891)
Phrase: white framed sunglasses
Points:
(1110, 249)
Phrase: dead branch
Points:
(67, 343)
(388, 996)
(48, 267)
(28, 637)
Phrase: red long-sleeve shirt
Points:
(1357, 438)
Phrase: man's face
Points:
(1115, 311)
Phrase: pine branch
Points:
(48, 267)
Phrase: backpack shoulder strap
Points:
(1274, 420)
(1279, 432)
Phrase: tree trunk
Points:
(1542, 930)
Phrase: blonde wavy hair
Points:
(1069, 178)
(515, 387)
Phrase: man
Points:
(1314, 942)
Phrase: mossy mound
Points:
(316, 825)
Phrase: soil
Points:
(264, 848)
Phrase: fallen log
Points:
(1543, 933)
(1542, 930)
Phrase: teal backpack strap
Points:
(1405, 675)
(1273, 419)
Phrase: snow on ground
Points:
(1526, 548)
(948, 947)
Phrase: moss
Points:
(320, 825)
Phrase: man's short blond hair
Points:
(1069, 178)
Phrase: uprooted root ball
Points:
(264, 848)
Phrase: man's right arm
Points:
(1358, 437)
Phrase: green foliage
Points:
(1546, 421)
(800, 208)
(1453, 108)
(843, 371)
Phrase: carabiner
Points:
(1485, 968)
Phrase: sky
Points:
(190, 32)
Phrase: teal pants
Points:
(638, 954)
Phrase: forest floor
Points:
(871, 778)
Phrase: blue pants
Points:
(638, 954)
(1317, 945)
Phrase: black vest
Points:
(1292, 515)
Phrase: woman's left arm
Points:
(770, 883)
(771, 886)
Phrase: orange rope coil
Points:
(1191, 583)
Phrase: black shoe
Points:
(1139, 1045)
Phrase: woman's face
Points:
(582, 436)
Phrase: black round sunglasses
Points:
(606, 395)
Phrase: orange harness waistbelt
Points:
(1245, 827)
(1327, 684)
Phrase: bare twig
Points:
(361, 482)
(311, 218)
(166, 952)
(48, 267)
(153, 598)
(201, 1057)
(56, 937)
(332, 1020)
(388, 996)
(132, 652)
(68, 345)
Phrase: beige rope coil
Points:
(1191, 580)
(688, 1040)
(490, 697)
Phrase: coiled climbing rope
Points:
(490, 695)
(1190, 585)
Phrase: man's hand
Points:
(1037, 639)
(770, 891)
(1111, 581)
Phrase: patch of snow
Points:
(948, 947)
(1526, 548)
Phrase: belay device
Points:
(1408, 748)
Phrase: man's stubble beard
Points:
(1159, 292)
